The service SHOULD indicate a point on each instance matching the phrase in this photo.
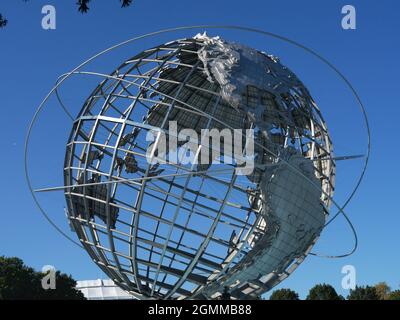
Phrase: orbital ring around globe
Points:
(251, 248)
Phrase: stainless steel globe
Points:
(173, 230)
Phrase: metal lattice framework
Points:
(173, 231)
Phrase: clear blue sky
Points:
(31, 60)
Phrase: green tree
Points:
(323, 292)
(83, 7)
(284, 294)
(20, 282)
(394, 295)
(383, 290)
(3, 21)
(17, 280)
(363, 293)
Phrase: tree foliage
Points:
(20, 282)
(323, 292)
(394, 295)
(363, 293)
(83, 7)
(3, 21)
(383, 290)
(284, 294)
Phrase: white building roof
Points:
(102, 290)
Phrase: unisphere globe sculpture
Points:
(180, 230)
